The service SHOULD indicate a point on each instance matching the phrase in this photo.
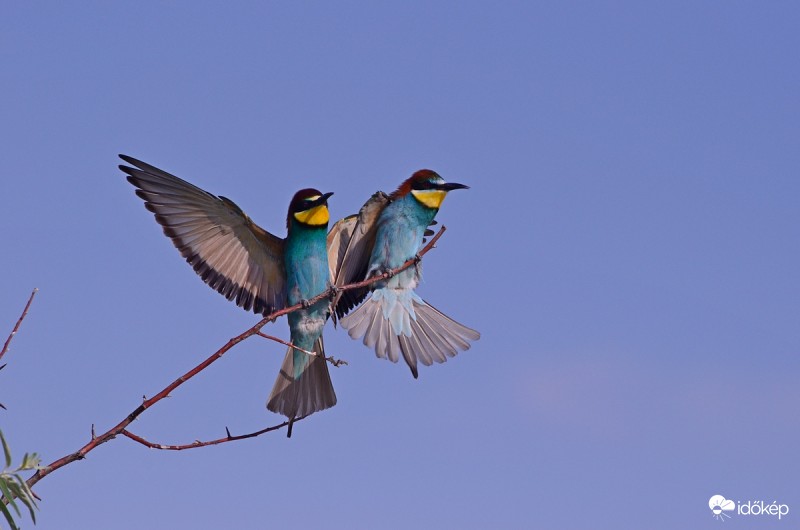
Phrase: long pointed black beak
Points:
(450, 186)
(323, 198)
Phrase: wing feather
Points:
(350, 243)
(232, 254)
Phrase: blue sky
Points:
(628, 249)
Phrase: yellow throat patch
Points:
(430, 198)
(316, 216)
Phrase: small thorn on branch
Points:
(198, 443)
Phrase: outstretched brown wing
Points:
(231, 253)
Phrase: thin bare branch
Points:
(120, 428)
(198, 443)
(19, 322)
(276, 339)
(334, 362)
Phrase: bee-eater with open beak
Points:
(388, 231)
(259, 270)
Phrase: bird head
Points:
(427, 187)
(309, 207)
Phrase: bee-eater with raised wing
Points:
(259, 270)
(387, 232)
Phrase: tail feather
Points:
(311, 392)
(393, 347)
(371, 338)
(440, 347)
(359, 322)
(442, 326)
(397, 322)
(412, 343)
(427, 351)
(407, 349)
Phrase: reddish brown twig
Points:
(276, 339)
(147, 403)
(198, 443)
(19, 322)
(335, 362)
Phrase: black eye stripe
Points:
(307, 202)
(424, 185)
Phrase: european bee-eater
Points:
(388, 231)
(259, 270)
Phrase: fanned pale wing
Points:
(350, 243)
(232, 254)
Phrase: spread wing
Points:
(350, 243)
(231, 253)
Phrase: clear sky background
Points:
(629, 249)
